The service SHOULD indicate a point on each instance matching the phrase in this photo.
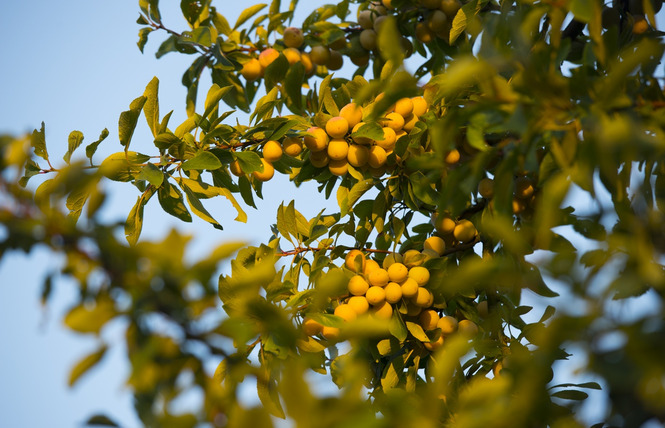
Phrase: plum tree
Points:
(469, 147)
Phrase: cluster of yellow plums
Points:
(401, 280)
(524, 195)
(336, 146)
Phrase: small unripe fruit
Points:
(355, 261)
(319, 159)
(360, 60)
(437, 21)
(293, 37)
(338, 149)
(357, 285)
(359, 304)
(338, 167)
(419, 106)
(338, 44)
(379, 278)
(483, 309)
(523, 187)
(235, 168)
(335, 62)
(467, 328)
(353, 113)
(393, 292)
(366, 19)
(267, 173)
(435, 243)
(337, 127)
(358, 155)
(378, 23)
(428, 319)
(368, 39)
(397, 272)
(320, 55)
(272, 151)
(311, 327)
(292, 146)
(251, 70)
(377, 157)
(409, 288)
(450, 8)
(423, 33)
(430, 4)
(292, 55)
(318, 140)
(267, 56)
(464, 231)
(486, 188)
(383, 311)
(447, 324)
(375, 295)
(419, 274)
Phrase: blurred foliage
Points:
(538, 157)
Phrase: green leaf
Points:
(38, 143)
(248, 13)
(215, 94)
(90, 319)
(73, 142)
(85, 364)
(151, 107)
(397, 327)
(143, 37)
(202, 160)
(358, 189)
(201, 36)
(417, 331)
(92, 147)
(151, 174)
(571, 394)
(101, 420)
(461, 18)
(172, 202)
(249, 161)
(267, 391)
(128, 120)
(134, 222)
(327, 320)
(150, 8)
(123, 166)
(582, 10)
(370, 130)
(197, 207)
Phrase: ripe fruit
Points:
(345, 312)
(251, 70)
(409, 288)
(383, 311)
(447, 324)
(377, 157)
(267, 56)
(419, 106)
(392, 258)
(360, 140)
(464, 231)
(359, 304)
(450, 8)
(336, 61)
(452, 157)
(338, 149)
(319, 159)
(337, 127)
(318, 140)
(486, 188)
(368, 39)
(641, 25)
(394, 121)
(397, 272)
(443, 224)
(433, 346)
(357, 285)
(410, 122)
(436, 244)
(420, 275)
(523, 187)
(293, 37)
(306, 61)
(292, 55)
(235, 168)
(358, 155)
(393, 292)
(320, 55)
(467, 328)
(267, 173)
(424, 298)
(338, 167)
(389, 139)
(428, 319)
(272, 151)
(404, 107)
(330, 333)
(355, 261)
(413, 258)
(379, 277)
(292, 146)
(353, 113)
(311, 327)
(423, 33)
(370, 265)
(375, 295)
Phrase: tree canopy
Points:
(499, 174)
